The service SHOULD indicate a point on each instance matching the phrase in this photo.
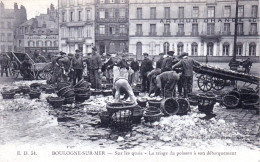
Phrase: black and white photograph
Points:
(129, 80)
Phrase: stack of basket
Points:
(66, 92)
(82, 91)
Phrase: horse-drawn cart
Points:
(216, 78)
(41, 70)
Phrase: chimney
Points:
(15, 6)
(2, 6)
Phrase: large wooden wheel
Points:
(218, 83)
(205, 83)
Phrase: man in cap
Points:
(95, 66)
(78, 66)
(160, 61)
(187, 64)
(168, 62)
(146, 67)
(152, 78)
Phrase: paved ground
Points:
(246, 121)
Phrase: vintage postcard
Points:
(129, 80)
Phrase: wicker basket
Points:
(34, 94)
(116, 106)
(246, 90)
(184, 106)
(62, 90)
(105, 118)
(206, 103)
(230, 101)
(56, 102)
(122, 119)
(8, 94)
(155, 103)
(170, 106)
(152, 117)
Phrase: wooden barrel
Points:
(170, 106)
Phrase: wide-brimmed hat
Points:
(160, 54)
(78, 50)
(145, 54)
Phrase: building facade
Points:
(76, 25)
(9, 20)
(111, 26)
(39, 34)
(199, 27)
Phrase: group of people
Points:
(169, 72)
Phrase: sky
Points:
(33, 7)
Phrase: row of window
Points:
(112, 47)
(5, 48)
(73, 17)
(195, 29)
(6, 37)
(121, 29)
(41, 44)
(111, 13)
(4, 25)
(64, 3)
(194, 48)
(211, 13)
(76, 32)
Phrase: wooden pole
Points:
(235, 34)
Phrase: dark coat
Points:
(187, 65)
(167, 64)
(95, 62)
(77, 63)
(123, 64)
(146, 66)
(159, 63)
(135, 66)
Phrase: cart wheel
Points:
(218, 83)
(205, 83)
